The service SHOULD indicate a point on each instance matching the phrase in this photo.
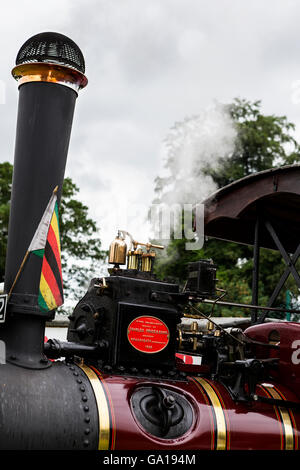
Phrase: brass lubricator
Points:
(137, 259)
(148, 257)
(134, 257)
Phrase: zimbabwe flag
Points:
(46, 244)
(51, 284)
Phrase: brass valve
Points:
(148, 261)
(148, 257)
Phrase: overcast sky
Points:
(151, 63)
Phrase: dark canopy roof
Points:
(231, 212)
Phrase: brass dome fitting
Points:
(117, 251)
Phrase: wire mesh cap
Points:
(51, 47)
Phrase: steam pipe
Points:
(257, 307)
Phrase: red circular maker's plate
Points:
(148, 334)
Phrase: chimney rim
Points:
(49, 72)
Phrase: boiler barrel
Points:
(50, 409)
(76, 406)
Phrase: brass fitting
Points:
(117, 251)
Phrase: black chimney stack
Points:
(50, 71)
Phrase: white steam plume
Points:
(191, 145)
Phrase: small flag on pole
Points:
(46, 244)
(51, 284)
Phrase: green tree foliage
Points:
(261, 142)
(80, 244)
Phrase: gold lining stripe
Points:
(221, 430)
(103, 411)
(286, 419)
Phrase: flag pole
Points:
(24, 260)
(18, 274)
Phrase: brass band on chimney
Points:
(49, 72)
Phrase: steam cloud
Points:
(190, 146)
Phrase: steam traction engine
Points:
(143, 367)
